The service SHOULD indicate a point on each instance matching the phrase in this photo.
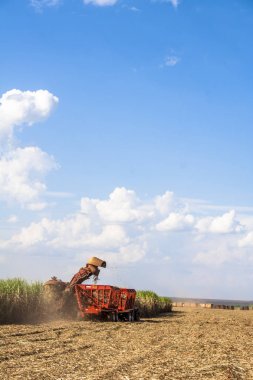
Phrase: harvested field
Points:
(186, 344)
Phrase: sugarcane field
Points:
(126, 190)
(71, 330)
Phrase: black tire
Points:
(112, 317)
(136, 315)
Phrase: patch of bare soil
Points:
(187, 344)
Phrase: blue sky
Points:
(140, 98)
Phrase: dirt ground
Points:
(188, 344)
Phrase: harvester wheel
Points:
(136, 315)
(111, 317)
(130, 316)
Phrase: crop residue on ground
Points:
(186, 344)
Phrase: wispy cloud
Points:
(101, 3)
(60, 194)
(134, 9)
(130, 8)
(171, 60)
(174, 3)
(39, 4)
(12, 219)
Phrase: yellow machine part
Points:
(96, 262)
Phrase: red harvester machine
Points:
(109, 302)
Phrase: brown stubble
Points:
(187, 344)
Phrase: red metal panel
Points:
(92, 299)
(127, 299)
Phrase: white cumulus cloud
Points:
(24, 107)
(176, 222)
(247, 240)
(21, 171)
(223, 224)
(126, 228)
(121, 207)
(71, 232)
(165, 203)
